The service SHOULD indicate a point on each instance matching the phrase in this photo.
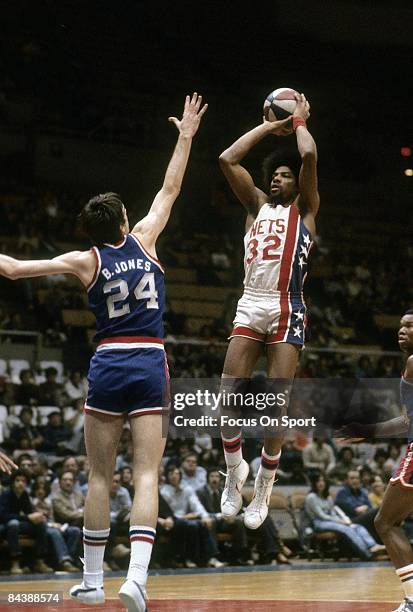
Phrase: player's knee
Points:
(382, 524)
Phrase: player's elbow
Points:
(224, 159)
(11, 271)
(309, 154)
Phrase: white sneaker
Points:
(133, 596)
(257, 511)
(231, 499)
(405, 606)
(93, 596)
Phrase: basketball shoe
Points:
(133, 596)
(231, 499)
(257, 511)
(93, 596)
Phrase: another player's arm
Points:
(309, 199)
(79, 263)
(7, 465)
(237, 176)
(399, 426)
(149, 228)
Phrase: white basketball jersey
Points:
(276, 251)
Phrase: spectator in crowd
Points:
(318, 456)
(71, 464)
(125, 449)
(377, 465)
(394, 455)
(193, 475)
(68, 504)
(354, 501)
(56, 435)
(17, 517)
(120, 505)
(76, 387)
(51, 392)
(291, 470)
(325, 516)
(27, 392)
(366, 476)
(182, 539)
(27, 429)
(376, 493)
(6, 392)
(25, 464)
(65, 538)
(185, 505)
(210, 497)
(40, 468)
(126, 480)
(345, 463)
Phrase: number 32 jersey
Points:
(277, 246)
(127, 293)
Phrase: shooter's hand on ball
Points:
(191, 117)
(303, 107)
(279, 128)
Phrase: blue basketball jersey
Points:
(127, 294)
(406, 396)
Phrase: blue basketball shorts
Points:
(128, 382)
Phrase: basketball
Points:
(279, 104)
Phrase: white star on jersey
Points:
(304, 250)
(307, 239)
(299, 315)
(297, 331)
(301, 262)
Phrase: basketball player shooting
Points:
(271, 314)
(128, 373)
(397, 504)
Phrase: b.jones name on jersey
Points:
(124, 266)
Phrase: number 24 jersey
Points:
(127, 293)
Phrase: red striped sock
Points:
(232, 450)
(141, 538)
(269, 464)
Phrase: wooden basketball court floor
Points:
(320, 588)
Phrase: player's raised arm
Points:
(309, 199)
(237, 176)
(149, 228)
(78, 263)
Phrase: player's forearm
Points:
(387, 429)
(237, 151)
(176, 168)
(305, 143)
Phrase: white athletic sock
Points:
(232, 450)
(94, 543)
(406, 577)
(269, 464)
(141, 540)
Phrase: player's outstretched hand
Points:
(349, 434)
(303, 107)
(191, 117)
(6, 464)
